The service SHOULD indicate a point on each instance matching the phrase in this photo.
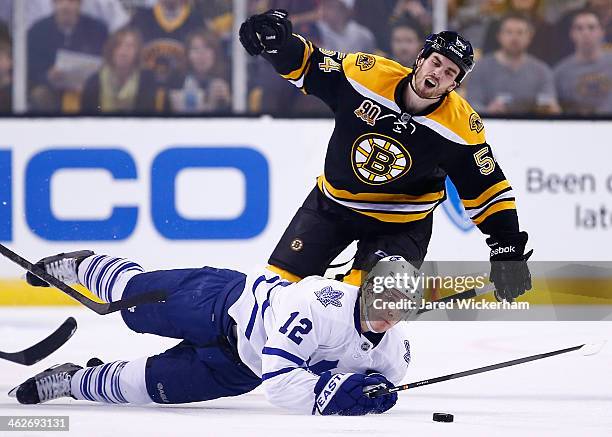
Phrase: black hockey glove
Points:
(268, 31)
(509, 270)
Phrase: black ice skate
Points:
(62, 266)
(51, 384)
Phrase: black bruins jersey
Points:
(164, 39)
(387, 163)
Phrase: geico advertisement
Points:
(192, 192)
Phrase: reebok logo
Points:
(501, 250)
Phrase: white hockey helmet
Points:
(392, 292)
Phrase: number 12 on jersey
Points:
(304, 327)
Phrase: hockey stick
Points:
(468, 294)
(99, 308)
(45, 347)
(589, 349)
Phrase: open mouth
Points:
(430, 83)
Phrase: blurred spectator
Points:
(6, 12)
(271, 94)
(5, 33)
(377, 19)
(564, 45)
(303, 13)
(420, 10)
(541, 42)
(218, 15)
(471, 18)
(510, 81)
(6, 82)
(110, 12)
(164, 29)
(584, 79)
(204, 87)
(406, 41)
(339, 31)
(63, 49)
(120, 85)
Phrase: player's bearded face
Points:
(434, 76)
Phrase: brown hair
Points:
(211, 40)
(115, 39)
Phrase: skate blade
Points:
(13, 392)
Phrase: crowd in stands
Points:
(174, 56)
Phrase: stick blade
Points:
(45, 347)
(592, 348)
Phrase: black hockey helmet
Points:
(454, 47)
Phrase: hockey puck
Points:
(443, 417)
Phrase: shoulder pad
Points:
(456, 121)
(374, 77)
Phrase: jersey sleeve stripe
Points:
(474, 212)
(266, 303)
(276, 373)
(496, 207)
(486, 195)
(299, 72)
(283, 354)
(249, 330)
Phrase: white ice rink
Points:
(567, 395)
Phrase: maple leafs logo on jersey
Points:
(407, 354)
(329, 296)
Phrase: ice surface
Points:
(567, 395)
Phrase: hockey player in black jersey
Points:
(398, 133)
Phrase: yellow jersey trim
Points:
(378, 197)
(299, 72)
(171, 25)
(496, 207)
(284, 273)
(486, 195)
(374, 77)
(354, 277)
(457, 116)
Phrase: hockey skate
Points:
(51, 384)
(62, 266)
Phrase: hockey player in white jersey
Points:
(314, 345)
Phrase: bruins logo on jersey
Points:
(378, 159)
(476, 123)
(364, 61)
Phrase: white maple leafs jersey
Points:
(289, 333)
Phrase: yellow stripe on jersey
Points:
(496, 207)
(486, 195)
(284, 273)
(355, 277)
(378, 197)
(374, 77)
(298, 72)
(457, 116)
(395, 218)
